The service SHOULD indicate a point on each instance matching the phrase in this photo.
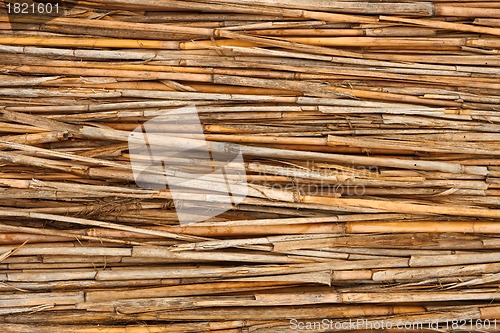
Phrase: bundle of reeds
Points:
(370, 137)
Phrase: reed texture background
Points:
(370, 133)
